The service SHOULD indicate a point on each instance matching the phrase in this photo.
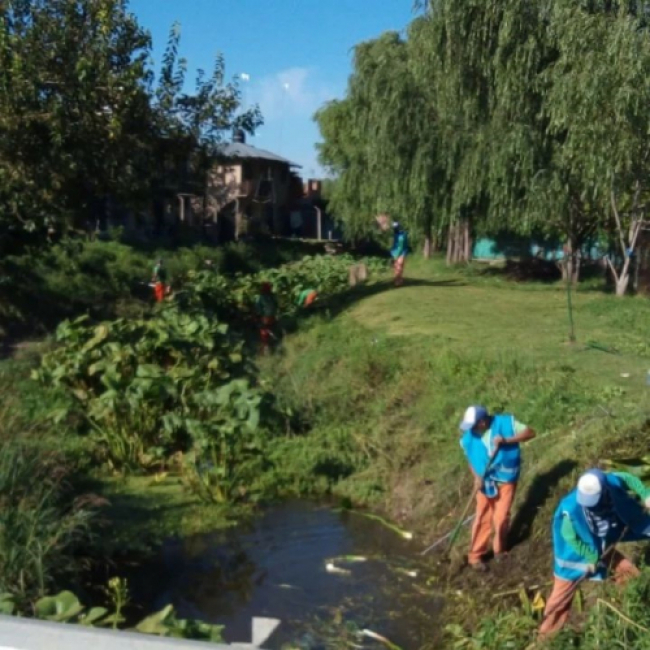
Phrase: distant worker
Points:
(398, 252)
(266, 308)
(159, 280)
(491, 445)
(307, 297)
(604, 509)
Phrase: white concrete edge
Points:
(30, 634)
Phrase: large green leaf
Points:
(155, 624)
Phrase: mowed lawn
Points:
(466, 312)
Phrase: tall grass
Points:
(41, 527)
(611, 619)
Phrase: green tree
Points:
(198, 121)
(379, 142)
(74, 110)
(599, 111)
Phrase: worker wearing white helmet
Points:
(604, 509)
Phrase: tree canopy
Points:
(81, 116)
(498, 115)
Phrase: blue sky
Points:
(297, 53)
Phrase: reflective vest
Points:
(400, 244)
(568, 563)
(506, 466)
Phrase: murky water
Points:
(277, 568)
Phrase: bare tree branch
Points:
(613, 269)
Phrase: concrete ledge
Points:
(28, 634)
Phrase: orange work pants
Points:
(159, 291)
(558, 605)
(491, 513)
(266, 329)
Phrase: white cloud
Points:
(295, 92)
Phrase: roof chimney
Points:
(239, 136)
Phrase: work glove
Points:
(593, 569)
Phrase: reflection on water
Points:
(277, 568)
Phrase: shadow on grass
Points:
(544, 271)
(335, 305)
(539, 492)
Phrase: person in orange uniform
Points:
(159, 280)
(307, 297)
(266, 307)
(491, 445)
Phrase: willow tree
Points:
(597, 103)
(481, 59)
(343, 153)
(380, 141)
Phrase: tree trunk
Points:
(623, 279)
(622, 284)
(435, 243)
(570, 265)
(450, 245)
(468, 241)
(459, 244)
(577, 266)
(427, 246)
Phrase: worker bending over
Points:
(604, 509)
(491, 445)
(159, 281)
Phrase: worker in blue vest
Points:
(604, 509)
(398, 252)
(491, 445)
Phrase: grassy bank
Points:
(382, 382)
(366, 394)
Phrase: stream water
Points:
(277, 567)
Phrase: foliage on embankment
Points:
(108, 279)
(178, 388)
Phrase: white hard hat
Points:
(590, 490)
